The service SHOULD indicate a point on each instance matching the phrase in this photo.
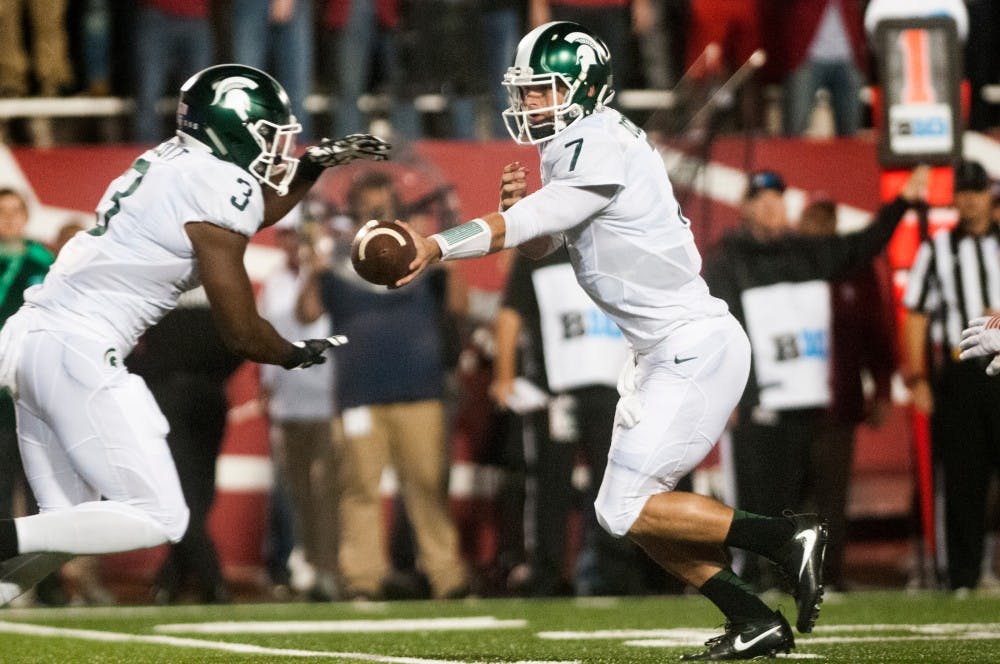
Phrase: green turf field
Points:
(856, 627)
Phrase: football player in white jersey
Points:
(606, 195)
(181, 215)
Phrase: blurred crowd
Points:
(427, 361)
(433, 67)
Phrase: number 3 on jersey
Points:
(128, 182)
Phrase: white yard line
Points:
(240, 648)
(342, 626)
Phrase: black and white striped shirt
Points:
(955, 277)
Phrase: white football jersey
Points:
(636, 258)
(126, 274)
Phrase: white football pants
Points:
(672, 412)
(87, 428)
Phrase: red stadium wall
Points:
(75, 177)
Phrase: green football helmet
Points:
(568, 58)
(241, 115)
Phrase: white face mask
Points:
(275, 166)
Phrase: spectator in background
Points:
(390, 381)
(734, 30)
(95, 37)
(186, 366)
(49, 61)
(733, 26)
(611, 19)
(502, 25)
(774, 281)
(65, 234)
(300, 409)
(277, 36)
(862, 345)
(981, 65)
(955, 277)
(173, 41)
(361, 33)
(445, 55)
(818, 44)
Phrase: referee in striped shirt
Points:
(956, 277)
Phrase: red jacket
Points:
(790, 25)
(387, 12)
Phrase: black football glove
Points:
(337, 152)
(310, 351)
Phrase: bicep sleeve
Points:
(554, 208)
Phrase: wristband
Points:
(469, 240)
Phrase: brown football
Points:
(382, 252)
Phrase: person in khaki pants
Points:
(49, 60)
(409, 436)
(390, 383)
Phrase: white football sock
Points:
(96, 527)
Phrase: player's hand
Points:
(428, 252)
(982, 339)
(915, 189)
(332, 152)
(513, 184)
(309, 352)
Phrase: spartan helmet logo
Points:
(231, 93)
(589, 52)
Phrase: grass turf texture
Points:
(856, 627)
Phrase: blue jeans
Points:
(284, 50)
(166, 45)
(841, 78)
(354, 48)
(501, 32)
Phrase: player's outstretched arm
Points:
(220, 264)
(328, 153)
(472, 239)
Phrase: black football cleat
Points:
(803, 566)
(748, 640)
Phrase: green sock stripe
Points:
(728, 576)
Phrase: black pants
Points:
(616, 565)
(772, 468)
(965, 433)
(195, 406)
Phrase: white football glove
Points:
(332, 152)
(982, 339)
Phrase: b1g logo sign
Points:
(590, 322)
(790, 346)
(789, 329)
(921, 129)
(920, 69)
